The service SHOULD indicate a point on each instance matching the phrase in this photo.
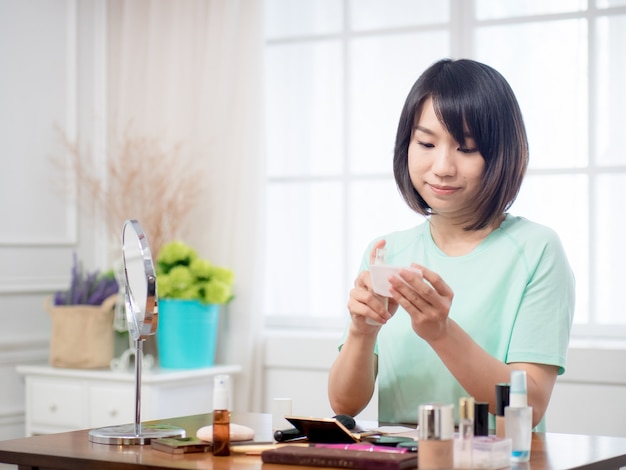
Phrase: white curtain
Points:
(190, 72)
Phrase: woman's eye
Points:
(468, 149)
(426, 145)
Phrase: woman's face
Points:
(447, 174)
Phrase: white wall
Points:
(50, 57)
(590, 398)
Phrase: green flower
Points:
(224, 275)
(201, 269)
(216, 292)
(174, 254)
(181, 274)
(180, 278)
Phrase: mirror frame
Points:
(148, 326)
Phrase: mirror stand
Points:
(138, 363)
(135, 433)
(142, 316)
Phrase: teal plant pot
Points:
(186, 333)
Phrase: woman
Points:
(495, 293)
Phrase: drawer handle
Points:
(53, 408)
(113, 413)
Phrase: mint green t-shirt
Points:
(513, 294)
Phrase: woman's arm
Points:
(478, 371)
(352, 377)
(428, 304)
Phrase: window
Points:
(337, 73)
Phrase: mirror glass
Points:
(141, 294)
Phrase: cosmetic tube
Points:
(221, 415)
(518, 418)
(502, 401)
(463, 443)
(436, 436)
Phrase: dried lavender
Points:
(86, 288)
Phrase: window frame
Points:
(461, 29)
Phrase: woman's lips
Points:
(443, 190)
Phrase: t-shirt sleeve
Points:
(543, 323)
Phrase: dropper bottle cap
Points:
(518, 393)
(221, 392)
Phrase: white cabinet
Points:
(59, 400)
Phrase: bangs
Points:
(464, 105)
(452, 113)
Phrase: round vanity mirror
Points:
(141, 291)
(142, 318)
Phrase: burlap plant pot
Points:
(82, 335)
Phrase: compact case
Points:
(325, 430)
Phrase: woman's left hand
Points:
(428, 303)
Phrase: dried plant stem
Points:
(142, 180)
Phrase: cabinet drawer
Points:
(111, 405)
(57, 404)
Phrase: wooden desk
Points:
(72, 450)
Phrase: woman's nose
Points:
(443, 163)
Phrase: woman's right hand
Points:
(368, 310)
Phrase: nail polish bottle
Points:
(518, 418)
(502, 401)
(436, 437)
(221, 415)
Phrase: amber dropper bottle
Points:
(221, 415)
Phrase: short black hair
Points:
(469, 96)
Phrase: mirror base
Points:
(126, 435)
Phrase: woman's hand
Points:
(368, 310)
(428, 303)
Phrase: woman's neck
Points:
(452, 238)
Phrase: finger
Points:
(392, 306)
(408, 296)
(365, 303)
(363, 281)
(409, 283)
(431, 293)
(412, 292)
(436, 281)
